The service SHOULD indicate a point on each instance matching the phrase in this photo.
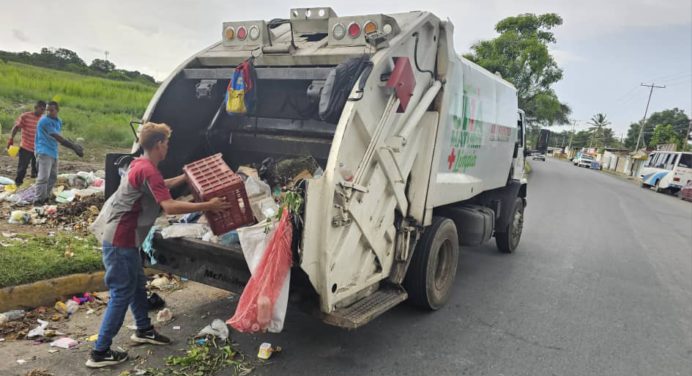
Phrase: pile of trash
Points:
(78, 200)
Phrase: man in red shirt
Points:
(27, 123)
(127, 218)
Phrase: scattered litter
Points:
(39, 372)
(176, 327)
(155, 301)
(93, 338)
(190, 217)
(217, 329)
(38, 331)
(90, 311)
(132, 327)
(266, 350)
(85, 298)
(19, 217)
(65, 196)
(64, 343)
(53, 351)
(8, 234)
(21, 361)
(201, 341)
(6, 181)
(72, 307)
(183, 279)
(11, 315)
(160, 282)
(229, 238)
(2, 340)
(164, 315)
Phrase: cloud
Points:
(20, 35)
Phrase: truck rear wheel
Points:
(507, 239)
(434, 265)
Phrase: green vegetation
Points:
(66, 60)
(207, 358)
(33, 258)
(97, 109)
(674, 117)
(520, 54)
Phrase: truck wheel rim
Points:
(443, 267)
(517, 226)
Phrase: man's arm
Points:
(15, 129)
(68, 144)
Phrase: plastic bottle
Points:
(11, 315)
(264, 310)
(72, 307)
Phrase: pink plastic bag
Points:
(254, 310)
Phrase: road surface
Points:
(601, 285)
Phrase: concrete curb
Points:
(47, 292)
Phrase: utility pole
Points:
(687, 136)
(641, 127)
(106, 53)
(574, 123)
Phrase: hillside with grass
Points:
(96, 109)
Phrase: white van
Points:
(667, 170)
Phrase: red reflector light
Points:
(354, 30)
(676, 179)
(242, 33)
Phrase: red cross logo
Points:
(450, 159)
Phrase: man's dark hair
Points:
(40, 104)
(54, 103)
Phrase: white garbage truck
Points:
(421, 151)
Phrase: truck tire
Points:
(434, 265)
(507, 240)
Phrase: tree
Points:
(598, 123)
(101, 65)
(675, 117)
(664, 134)
(520, 54)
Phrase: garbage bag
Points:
(262, 305)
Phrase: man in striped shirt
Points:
(27, 124)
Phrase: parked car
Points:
(584, 161)
(538, 156)
(686, 191)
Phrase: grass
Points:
(30, 258)
(96, 109)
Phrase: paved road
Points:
(601, 285)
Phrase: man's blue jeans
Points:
(127, 285)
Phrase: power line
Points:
(641, 127)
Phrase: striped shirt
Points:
(134, 207)
(27, 123)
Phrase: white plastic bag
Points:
(185, 230)
(253, 241)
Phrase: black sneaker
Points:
(105, 359)
(150, 336)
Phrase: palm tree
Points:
(598, 122)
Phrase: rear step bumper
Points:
(203, 262)
(367, 309)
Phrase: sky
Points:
(607, 48)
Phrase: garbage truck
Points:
(424, 153)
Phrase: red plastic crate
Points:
(211, 177)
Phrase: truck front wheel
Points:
(434, 265)
(507, 239)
